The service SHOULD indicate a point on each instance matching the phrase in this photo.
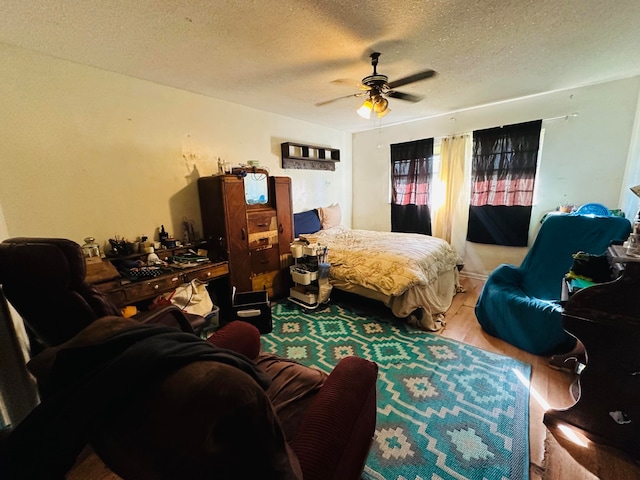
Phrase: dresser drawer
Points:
(117, 297)
(107, 287)
(264, 281)
(263, 229)
(207, 273)
(149, 288)
(263, 239)
(262, 221)
(113, 291)
(264, 260)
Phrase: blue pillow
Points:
(306, 222)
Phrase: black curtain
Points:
(503, 173)
(499, 225)
(411, 218)
(509, 152)
(410, 176)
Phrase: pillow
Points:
(330, 216)
(306, 222)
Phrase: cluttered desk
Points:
(134, 278)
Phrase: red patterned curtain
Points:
(411, 171)
(504, 164)
(412, 168)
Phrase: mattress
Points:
(415, 275)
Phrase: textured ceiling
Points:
(284, 56)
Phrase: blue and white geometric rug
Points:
(446, 410)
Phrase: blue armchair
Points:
(520, 305)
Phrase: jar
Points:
(90, 248)
(633, 245)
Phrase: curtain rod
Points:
(565, 117)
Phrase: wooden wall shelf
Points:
(309, 157)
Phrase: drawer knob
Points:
(155, 287)
(208, 274)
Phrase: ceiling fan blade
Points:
(351, 83)
(359, 94)
(412, 78)
(404, 96)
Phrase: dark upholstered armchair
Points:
(197, 419)
(45, 275)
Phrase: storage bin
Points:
(254, 308)
(306, 295)
(302, 276)
(312, 250)
(212, 321)
(296, 250)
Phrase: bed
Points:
(415, 275)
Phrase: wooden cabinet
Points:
(606, 319)
(254, 238)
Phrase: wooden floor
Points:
(552, 456)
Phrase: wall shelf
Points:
(309, 157)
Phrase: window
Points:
(504, 165)
(411, 171)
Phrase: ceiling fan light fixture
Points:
(380, 104)
(377, 87)
(365, 110)
(383, 113)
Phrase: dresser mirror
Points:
(256, 187)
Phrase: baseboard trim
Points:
(474, 276)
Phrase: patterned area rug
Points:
(446, 410)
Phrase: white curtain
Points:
(450, 220)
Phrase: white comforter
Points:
(387, 262)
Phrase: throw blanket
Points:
(387, 262)
(91, 380)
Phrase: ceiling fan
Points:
(377, 88)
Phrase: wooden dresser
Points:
(254, 237)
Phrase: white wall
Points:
(628, 201)
(86, 152)
(583, 157)
(92, 153)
